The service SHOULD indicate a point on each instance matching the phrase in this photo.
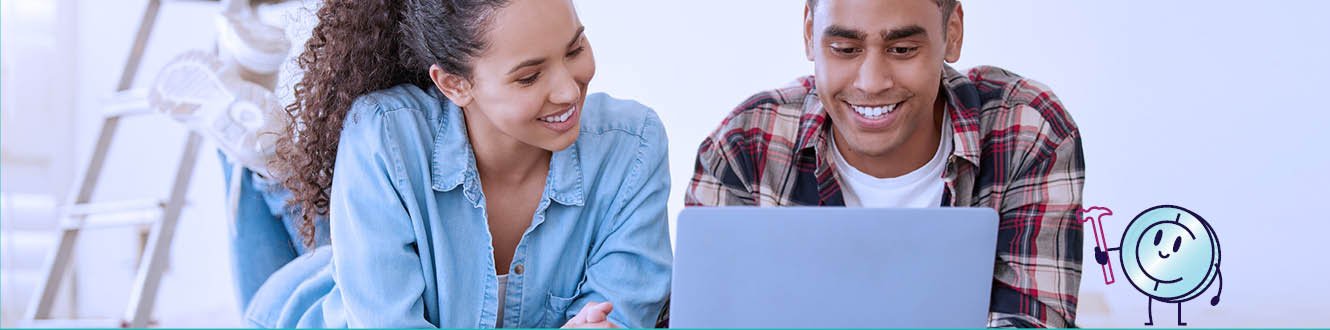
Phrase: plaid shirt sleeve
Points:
(1038, 269)
(1038, 175)
(715, 182)
(751, 158)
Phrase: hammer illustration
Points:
(1094, 215)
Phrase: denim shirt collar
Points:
(453, 163)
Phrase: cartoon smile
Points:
(1158, 282)
(1162, 255)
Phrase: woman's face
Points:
(530, 83)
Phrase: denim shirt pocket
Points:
(557, 307)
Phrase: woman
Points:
(468, 179)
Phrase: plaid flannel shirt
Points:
(1016, 151)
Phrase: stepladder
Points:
(245, 111)
(80, 213)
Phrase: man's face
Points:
(878, 66)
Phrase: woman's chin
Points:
(560, 142)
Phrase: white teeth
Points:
(558, 118)
(873, 112)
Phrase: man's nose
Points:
(874, 76)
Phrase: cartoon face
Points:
(1170, 253)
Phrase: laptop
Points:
(826, 267)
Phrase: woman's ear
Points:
(454, 87)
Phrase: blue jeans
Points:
(267, 234)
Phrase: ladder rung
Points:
(19, 158)
(74, 323)
(121, 219)
(127, 103)
(115, 207)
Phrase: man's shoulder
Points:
(774, 113)
(1007, 100)
(754, 148)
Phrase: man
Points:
(884, 122)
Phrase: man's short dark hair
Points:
(946, 6)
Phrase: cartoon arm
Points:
(1101, 256)
(1219, 276)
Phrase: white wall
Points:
(35, 174)
(1217, 106)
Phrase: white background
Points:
(1217, 106)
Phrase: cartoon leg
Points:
(1149, 312)
(1180, 323)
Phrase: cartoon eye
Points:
(1159, 235)
(1177, 243)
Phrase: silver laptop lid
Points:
(833, 267)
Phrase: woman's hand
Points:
(592, 316)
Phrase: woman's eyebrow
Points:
(539, 61)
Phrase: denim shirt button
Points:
(518, 269)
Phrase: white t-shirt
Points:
(920, 188)
(503, 291)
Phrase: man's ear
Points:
(955, 34)
(808, 32)
(454, 87)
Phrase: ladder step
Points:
(115, 207)
(113, 214)
(74, 323)
(127, 213)
(123, 219)
(127, 103)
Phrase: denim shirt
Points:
(265, 233)
(411, 245)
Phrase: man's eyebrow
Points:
(843, 32)
(903, 32)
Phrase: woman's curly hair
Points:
(360, 46)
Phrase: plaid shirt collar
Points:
(962, 104)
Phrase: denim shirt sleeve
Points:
(631, 266)
(375, 263)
